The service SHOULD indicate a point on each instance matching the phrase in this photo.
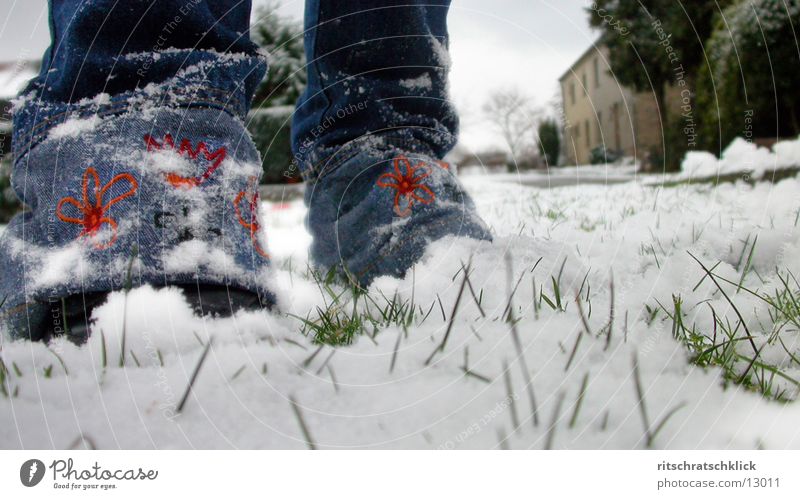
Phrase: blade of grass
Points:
(394, 352)
(574, 351)
(584, 320)
(238, 372)
(728, 299)
(450, 324)
(551, 430)
(579, 401)
(512, 399)
(637, 380)
(128, 286)
(103, 350)
(477, 376)
(325, 362)
(663, 423)
(747, 264)
(302, 422)
(193, 379)
(610, 326)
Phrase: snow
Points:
(274, 111)
(67, 263)
(101, 99)
(741, 156)
(14, 77)
(350, 397)
(561, 176)
(75, 127)
(166, 161)
(422, 82)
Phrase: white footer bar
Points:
(398, 474)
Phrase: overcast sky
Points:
(495, 44)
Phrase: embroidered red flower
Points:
(185, 149)
(406, 180)
(93, 212)
(250, 198)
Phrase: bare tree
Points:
(514, 116)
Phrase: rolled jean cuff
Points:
(208, 79)
(156, 187)
(320, 162)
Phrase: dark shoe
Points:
(70, 318)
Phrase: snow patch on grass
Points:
(741, 156)
(536, 349)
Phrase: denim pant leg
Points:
(370, 132)
(130, 153)
(375, 67)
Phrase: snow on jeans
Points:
(130, 153)
(129, 148)
(370, 132)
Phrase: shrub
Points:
(749, 87)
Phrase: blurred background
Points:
(625, 84)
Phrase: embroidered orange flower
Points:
(93, 212)
(250, 198)
(407, 182)
(185, 149)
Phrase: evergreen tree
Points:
(9, 204)
(282, 38)
(656, 43)
(273, 105)
(751, 86)
(549, 141)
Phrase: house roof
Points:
(594, 47)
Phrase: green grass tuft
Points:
(720, 347)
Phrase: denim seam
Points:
(78, 110)
(121, 102)
(315, 173)
(47, 124)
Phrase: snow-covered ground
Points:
(569, 176)
(741, 156)
(262, 377)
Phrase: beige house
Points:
(599, 112)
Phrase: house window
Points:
(588, 134)
(585, 87)
(572, 92)
(615, 122)
(600, 139)
(596, 67)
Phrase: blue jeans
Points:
(131, 155)
(370, 132)
(375, 67)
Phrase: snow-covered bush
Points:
(270, 122)
(9, 204)
(270, 128)
(282, 38)
(743, 157)
(749, 86)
